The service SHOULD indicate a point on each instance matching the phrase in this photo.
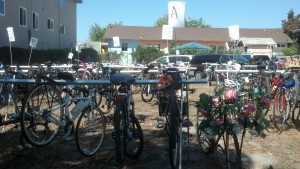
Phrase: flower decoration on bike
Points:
(240, 113)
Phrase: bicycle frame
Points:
(65, 104)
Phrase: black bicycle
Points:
(128, 134)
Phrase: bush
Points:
(21, 56)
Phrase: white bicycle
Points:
(47, 109)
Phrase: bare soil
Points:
(277, 150)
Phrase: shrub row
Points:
(20, 56)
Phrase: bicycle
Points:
(217, 132)
(46, 110)
(285, 98)
(107, 92)
(84, 72)
(148, 90)
(224, 115)
(172, 109)
(11, 96)
(128, 134)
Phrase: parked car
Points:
(247, 56)
(278, 58)
(199, 62)
(173, 60)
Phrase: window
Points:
(50, 24)
(62, 29)
(2, 7)
(35, 20)
(280, 45)
(157, 46)
(23, 16)
(124, 46)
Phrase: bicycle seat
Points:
(122, 78)
(65, 76)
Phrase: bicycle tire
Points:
(119, 127)
(136, 88)
(174, 125)
(294, 93)
(97, 97)
(37, 114)
(135, 139)
(266, 88)
(204, 142)
(280, 110)
(296, 118)
(228, 151)
(90, 131)
(107, 101)
(146, 94)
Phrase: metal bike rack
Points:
(102, 82)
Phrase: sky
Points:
(217, 13)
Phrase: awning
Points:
(257, 41)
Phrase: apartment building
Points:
(52, 22)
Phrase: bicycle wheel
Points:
(174, 129)
(136, 88)
(296, 118)
(204, 142)
(41, 115)
(265, 88)
(146, 93)
(228, 151)
(107, 101)
(97, 97)
(281, 109)
(119, 127)
(294, 94)
(90, 131)
(135, 138)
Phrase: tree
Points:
(145, 55)
(189, 23)
(96, 33)
(196, 23)
(291, 23)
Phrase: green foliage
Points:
(96, 33)
(291, 23)
(290, 51)
(196, 23)
(189, 23)
(21, 56)
(146, 54)
(161, 21)
(89, 55)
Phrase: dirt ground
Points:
(276, 151)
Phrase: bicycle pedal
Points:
(68, 137)
(160, 124)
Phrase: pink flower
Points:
(219, 121)
(265, 101)
(202, 111)
(216, 100)
(248, 108)
(229, 94)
